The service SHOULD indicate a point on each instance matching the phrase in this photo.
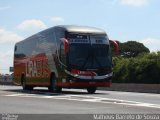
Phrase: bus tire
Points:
(23, 82)
(58, 89)
(24, 86)
(91, 90)
(52, 86)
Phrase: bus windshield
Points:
(89, 56)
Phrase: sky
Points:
(123, 20)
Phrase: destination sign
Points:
(98, 40)
(76, 38)
(79, 41)
(85, 39)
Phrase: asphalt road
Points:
(71, 101)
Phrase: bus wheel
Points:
(52, 86)
(24, 86)
(91, 90)
(23, 82)
(58, 89)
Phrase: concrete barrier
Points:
(146, 88)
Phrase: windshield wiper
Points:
(85, 62)
(99, 64)
(91, 55)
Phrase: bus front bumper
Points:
(75, 84)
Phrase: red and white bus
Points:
(64, 57)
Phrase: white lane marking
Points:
(14, 95)
(84, 98)
(119, 101)
(130, 93)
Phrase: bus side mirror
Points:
(115, 46)
(66, 45)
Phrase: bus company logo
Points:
(37, 68)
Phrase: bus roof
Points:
(82, 29)
(73, 29)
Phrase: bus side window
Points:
(62, 55)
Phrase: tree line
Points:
(136, 64)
